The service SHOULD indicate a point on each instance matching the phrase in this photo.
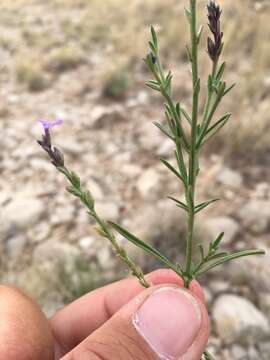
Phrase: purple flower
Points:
(50, 124)
(55, 155)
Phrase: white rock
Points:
(71, 146)
(238, 352)
(131, 170)
(214, 226)
(52, 253)
(229, 177)
(150, 137)
(148, 181)
(166, 148)
(87, 242)
(102, 116)
(255, 215)
(237, 319)
(107, 210)
(62, 215)
(22, 211)
(95, 189)
(253, 270)
(105, 257)
(265, 350)
(14, 246)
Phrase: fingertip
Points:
(197, 290)
(164, 276)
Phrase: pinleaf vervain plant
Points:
(189, 133)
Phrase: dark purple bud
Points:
(214, 46)
(57, 158)
(55, 155)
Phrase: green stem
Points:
(193, 153)
(105, 230)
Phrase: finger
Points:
(24, 331)
(76, 321)
(79, 319)
(165, 322)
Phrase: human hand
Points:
(118, 321)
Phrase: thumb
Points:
(165, 322)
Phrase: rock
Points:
(162, 225)
(88, 245)
(95, 189)
(51, 254)
(107, 210)
(102, 116)
(87, 242)
(264, 350)
(63, 215)
(262, 191)
(148, 182)
(264, 301)
(22, 211)
(229, 177)
(150, 137)
(238, 352)
(214, 226)
(237, 319)
(253, 270)
(105, 257)
(255, 215)
(14, 246)
(166, 148)
(131, 170)
(71, 146)
(218, 286)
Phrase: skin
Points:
(80, 330)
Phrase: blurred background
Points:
(81, 61)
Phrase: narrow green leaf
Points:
(207, 356)
(179, 203)
(210, 83)
(149, 63)
(152, 47)
(72, 190)
(163, 130)
(221, 88)
(201, 249)
(218, 255)
(154, 36)
(228, 258)
(169, 110)
(143, 245)
(215, 128)
(188, 14)
(152, 86)
(215, 244)
(189, 55)
(180, 162)
(188, 118)
(172, 169)
(178, 109)
(229, 89)
(168, 81)
(203, 205)
(199, 34)
(220, 71)
(74, 178)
